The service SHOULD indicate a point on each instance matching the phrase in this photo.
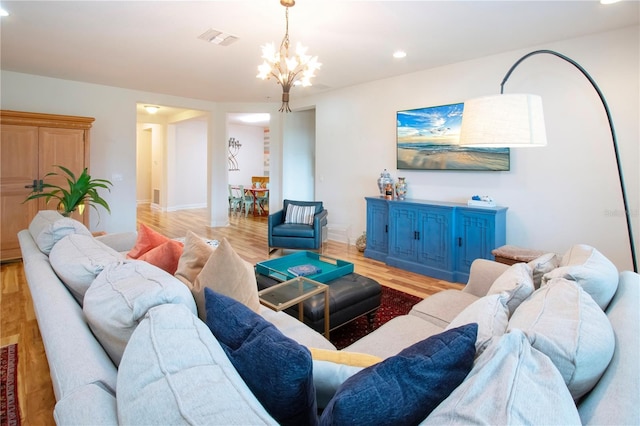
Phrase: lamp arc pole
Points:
(584, 72)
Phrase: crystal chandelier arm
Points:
(584, 72)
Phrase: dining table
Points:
(255, 192)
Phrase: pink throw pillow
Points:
(147, 240)
(165, 256)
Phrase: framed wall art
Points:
(427, 139)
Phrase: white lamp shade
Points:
(503, 121)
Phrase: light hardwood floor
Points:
(247, 235)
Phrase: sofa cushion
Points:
(510, 383)
(611, 402)
(146, 240)
(300, 214)
(92, 400)
(48, 227)
(78, 259)
(293, 230)
(331, 368)
(294, 329)
(405, 388)
(195, 254)
(278, 370)
(596, 274)
(165, 256)
(173, 371)
(227, 273)
(441, 308)
(541, 265)
(490, 313)
(120, 297)
(516, 283)
(562, 321)
(394, 336)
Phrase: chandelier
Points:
(288, 71)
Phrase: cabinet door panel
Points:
(435, 236)
(402, 234)
(18, 168)
(62, 147)
(377, 227)
(476, 240)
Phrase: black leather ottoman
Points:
(350, 296)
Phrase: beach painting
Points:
(428, 137)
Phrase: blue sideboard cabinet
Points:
(436, 239)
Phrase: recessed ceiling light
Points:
(398, 54)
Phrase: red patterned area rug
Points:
(392, 304)
(9, 408)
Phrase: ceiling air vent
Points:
(217, 37)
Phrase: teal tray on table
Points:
(331, 268)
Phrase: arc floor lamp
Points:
(517, 121)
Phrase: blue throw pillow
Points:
(405, 388)
(277, 369)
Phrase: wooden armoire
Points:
(31, 145)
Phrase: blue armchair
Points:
(290, 231)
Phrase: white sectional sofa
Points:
(519, 358)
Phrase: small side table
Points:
(512, 254)
(284, 295)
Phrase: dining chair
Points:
(247, 201)
(236, 197)
(263, 199)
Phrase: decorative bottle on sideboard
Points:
(383, 180)
(401, 188)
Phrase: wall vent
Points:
(156, 196)
(217, 37)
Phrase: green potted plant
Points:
(80, 190)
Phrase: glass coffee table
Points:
(286, 294)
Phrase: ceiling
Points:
(153, 45)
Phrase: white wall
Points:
(299, 145)
(219, 154)
(251, 154)
(187, 165)
(557, 196)
(143, 165)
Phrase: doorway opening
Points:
(171, 158)
(248, 163)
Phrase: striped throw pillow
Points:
(300, 214)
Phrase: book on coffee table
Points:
(304, 270)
